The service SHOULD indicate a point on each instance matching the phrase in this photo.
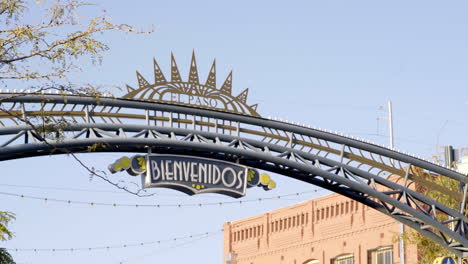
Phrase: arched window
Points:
(344, 259)
(312, 261)
(381, 255)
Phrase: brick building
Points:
(329, 230)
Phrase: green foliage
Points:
(5, 218)
(5, 234)
(44, 40)
(56, 41)
(428, 250)
(5, 257)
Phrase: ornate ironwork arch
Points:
(347, 166)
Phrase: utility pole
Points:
(392, 146)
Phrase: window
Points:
(312, 262)
(344, 259)
(381, 255)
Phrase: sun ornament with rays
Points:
(191, 92)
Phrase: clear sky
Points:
(330, 64)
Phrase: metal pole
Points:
(390, 124)
(392, 146)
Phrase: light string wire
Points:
(54, 188)
(153, 252)
(176, 205)
(121, 246)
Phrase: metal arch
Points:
(294, 129)
(302, 153)
(268, 157)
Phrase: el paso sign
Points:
(193, 175)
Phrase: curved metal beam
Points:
(344, 165)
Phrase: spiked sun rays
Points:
(191, 92)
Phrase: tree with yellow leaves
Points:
(44, 41)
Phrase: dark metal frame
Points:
(347, 166)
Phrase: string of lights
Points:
(120, 246)
(157, 205)
(67, 189)
(153, 252)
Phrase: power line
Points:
(158, 205)
(120, 246)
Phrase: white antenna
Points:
(390, 124)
